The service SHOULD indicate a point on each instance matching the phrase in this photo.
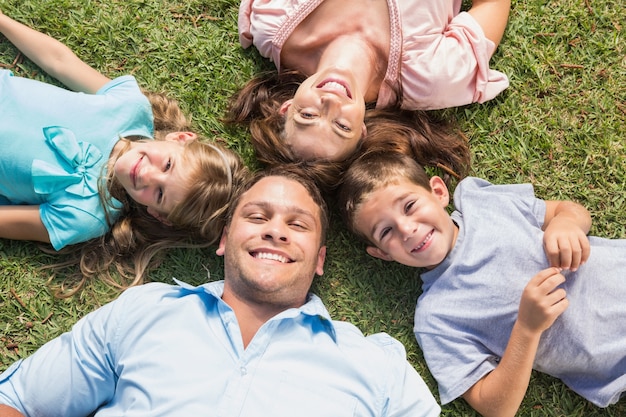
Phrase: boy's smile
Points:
(408, 224)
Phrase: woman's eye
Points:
(343, 127)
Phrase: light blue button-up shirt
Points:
(163, 350)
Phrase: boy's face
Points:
(408, 223)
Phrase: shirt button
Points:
(243, 370)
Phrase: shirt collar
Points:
(313, 308)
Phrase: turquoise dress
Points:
(55, 145)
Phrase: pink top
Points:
(439, 55)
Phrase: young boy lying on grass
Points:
(511, 283)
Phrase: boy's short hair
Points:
(295, 172)
(371, 172)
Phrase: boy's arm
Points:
(52, 56)
(565, 240)
(501, 392)
(492, 16)
(22, 223)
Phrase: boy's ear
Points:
(440, 190)
(378, 253)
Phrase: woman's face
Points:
(324, 120)
(154, 174)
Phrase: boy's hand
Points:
(542, 302)
(566, 244)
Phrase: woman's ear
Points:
(285, 107)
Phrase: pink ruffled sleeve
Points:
(448, 68)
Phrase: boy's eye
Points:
(384, 232)
(408, 206)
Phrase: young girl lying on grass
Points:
(81, 168)
(511, 283)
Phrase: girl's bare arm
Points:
(22, 223)
(52, 56)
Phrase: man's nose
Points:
(276, 230)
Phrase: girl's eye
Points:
(160, 197)
(307, 115)
(168, 165)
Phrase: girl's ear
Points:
(158, 216)
(440, 190)
(285, 106)
(378, 253)
(182, 137)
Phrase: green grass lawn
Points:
(560, 125)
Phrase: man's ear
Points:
(222, 245)
(440, 190)
(158, 216)
(321, 258)
(378, 253)
(284, 107)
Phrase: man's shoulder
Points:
(349, 336)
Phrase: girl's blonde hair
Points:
(123, 256)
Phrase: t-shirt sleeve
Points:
(518, 197)
(74, 220)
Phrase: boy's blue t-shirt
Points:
(55, 145)
(469, 303)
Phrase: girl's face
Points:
(154, 173)
(325, 117)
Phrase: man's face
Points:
(272, 247)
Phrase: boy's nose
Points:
(408, 229)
